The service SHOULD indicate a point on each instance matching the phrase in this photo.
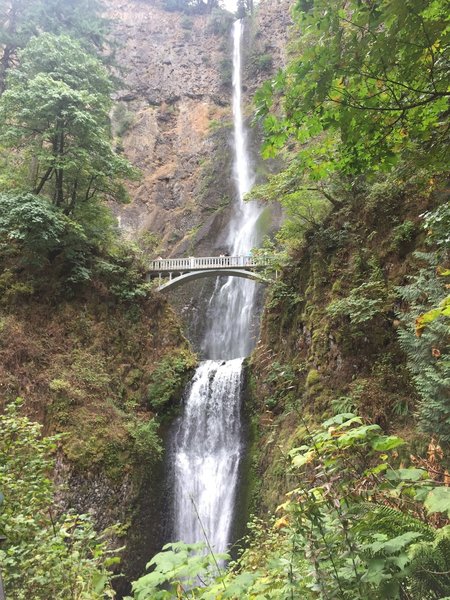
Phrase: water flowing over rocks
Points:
(207, 450)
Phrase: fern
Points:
(391, 522)
(428, 355)
(430, 567)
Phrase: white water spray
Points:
(208, 445)
(208, 453)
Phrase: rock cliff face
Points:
(173, 117)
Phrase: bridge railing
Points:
(207, 262)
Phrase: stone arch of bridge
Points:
(185, 277)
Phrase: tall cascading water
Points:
(230, 310)
(207, 444)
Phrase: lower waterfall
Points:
(207, 453)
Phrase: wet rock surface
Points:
(176, 94)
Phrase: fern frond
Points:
(391, 522)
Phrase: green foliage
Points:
(362, 304)
(122, 119)
(147, 443)
(368, 82)
(305, 204)
(56, 110)
(403, 234)
(184, 567)
(226, 72)
(338, 534)
(220, 22)
(280, 377)
(437, 224)
(20, 20)
(313, 378)
(425, 335)
(32, 223)
(45, 555)
(36, 235)
(168, 379)
(123, 274)
(281, 293)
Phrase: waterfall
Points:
(209, 449)
(207, 443)
(230, 309)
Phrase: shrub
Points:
(167, 380)
(147, 443)
(362, 304)
(226, 72)
(123, 119)
(403, 234)
(263, 63)
(31, 223)
(220, 22)
(45, 556)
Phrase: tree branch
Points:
(43, 181)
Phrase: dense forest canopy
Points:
(22, 19)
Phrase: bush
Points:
(31, 223)
(147, 443)
(226, 72)
(263, 63)
(123, 119)
(168, 379)
(45, 556)
(220, 22)
(403, 234)
(361, 305)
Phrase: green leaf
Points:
(382, 443)
(406, 474)
(438, 500)
(301, 459)
(98, 582)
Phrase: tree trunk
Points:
(59, 188)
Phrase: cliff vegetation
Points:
(98, 359)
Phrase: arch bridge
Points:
(181, 270)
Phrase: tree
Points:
(373, 74)
(244, 8)
(55, 114)
(192, 6)
(22, 19)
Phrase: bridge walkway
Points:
(205, 266)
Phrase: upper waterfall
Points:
(231, 307)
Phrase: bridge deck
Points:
(185, 265)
